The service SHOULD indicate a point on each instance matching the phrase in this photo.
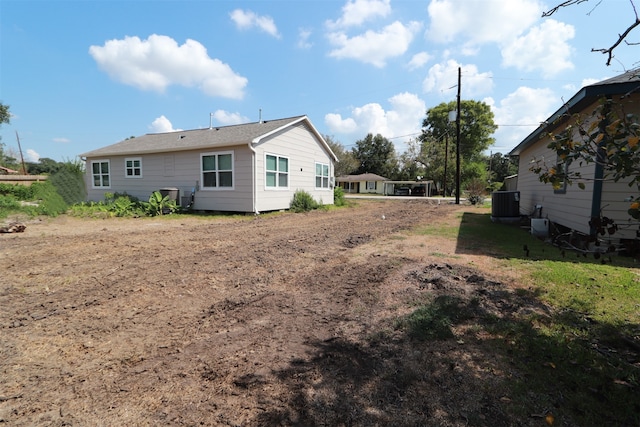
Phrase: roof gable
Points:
(209, 138)
(361, 177)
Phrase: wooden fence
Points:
(22, 179)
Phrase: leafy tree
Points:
(347, 163)
(376, 154)
(501, 167)
(5, 115)
(409, 167)
(44, 166)
(438, 142)
(5, 118)
(609, 139)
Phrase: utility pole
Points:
(24, 168)
(458, 140)
(446, 155)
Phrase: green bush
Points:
(476, 192)
(338, 196)
(69, 182)
(303, 202)
(159, 204)
(20, 192)
(49, 201)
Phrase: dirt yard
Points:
(286, 319)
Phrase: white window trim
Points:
(373, 185)
(277, 187)
(328, 187)
(93, 182)
(233, 172)
(133, 159)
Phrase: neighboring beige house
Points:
(365, 183)
(370, 183)
(571, 206)
(253, 167)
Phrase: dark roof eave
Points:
(580, 100)
(96, 153)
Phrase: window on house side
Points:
(277, 171)
(217, 171)
(322, 175)
(133, 168)
(561, 170)
(100, 173)
(371, 185)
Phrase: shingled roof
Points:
(623, 84)
(214, 137)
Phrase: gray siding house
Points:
(571, 206)
(253, 167)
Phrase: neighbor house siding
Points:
(615, 206)
(303, 150)
(571, 209)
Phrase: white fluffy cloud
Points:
(520, 113)
(443, 79)
(245, 20)
(161, 125)
(401, 122)
(158, 62)
(544, 47)
(32, 156)
(303, 38)
(227, 118)
(480, 22)
(510, 26)
(374, 47)
(418, 60)
(357, 12)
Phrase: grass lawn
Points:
(581, 355)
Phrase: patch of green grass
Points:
(579, 358)
(434, 320)
(606, 293)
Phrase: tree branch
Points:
(621, 37)
(561, 5)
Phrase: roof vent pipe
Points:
(260, 115)
(210, 120)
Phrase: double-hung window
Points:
(371, 185)
(217, 171)
(133, 167)
(277, 171)
(100, 173)
(322, 175)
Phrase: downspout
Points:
(596, 200)
(254, 194)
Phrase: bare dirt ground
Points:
(286, 319)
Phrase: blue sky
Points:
(83, 74)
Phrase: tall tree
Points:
(438, 142)
(5, 115)
(409, 168)
(376, 154)
(347, 163)
(501, 166)
(5, 118)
